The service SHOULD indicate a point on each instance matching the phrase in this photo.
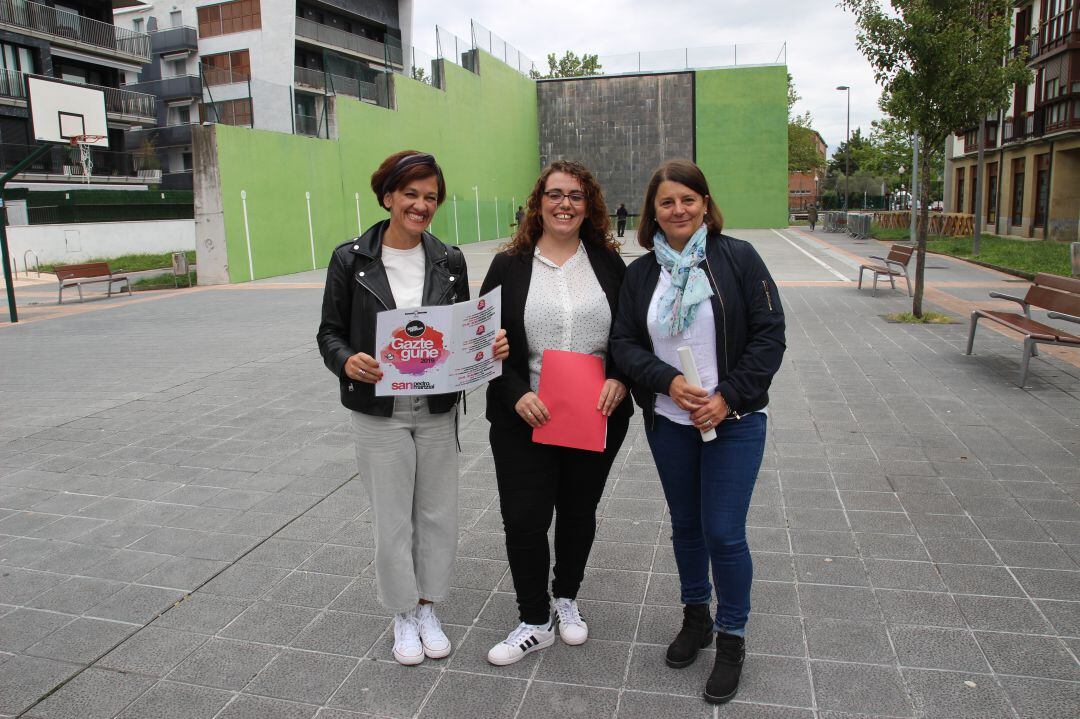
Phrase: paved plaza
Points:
(182, 535)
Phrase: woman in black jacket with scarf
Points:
(712, 293)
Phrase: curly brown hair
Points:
(595, 230)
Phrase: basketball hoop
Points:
(80, 152)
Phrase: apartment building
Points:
(804, 188)
(77, 42)
(1032, 150)
(266, 64)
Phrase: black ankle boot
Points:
(724, 680)
(696, 632)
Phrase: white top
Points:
(405, 271)
(700, 337)
(566, 310)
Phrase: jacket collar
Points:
(437, 278)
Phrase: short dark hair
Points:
(400, 169)
(686, 173)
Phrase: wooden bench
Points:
(1059, 295)
(893, 266)
(78, 275)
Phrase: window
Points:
(17, 58)
(1018, 192)
(137, 24)
(958, 206)
(227, 112)
(188, 164)
(991, 192)
(971, 201)
(179, 115)
(226, 67)
(229, 17)
(176, 18)
(1042, 189)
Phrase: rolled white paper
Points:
(689, 368)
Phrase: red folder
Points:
(570, 386)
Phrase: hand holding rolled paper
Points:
(704, 421)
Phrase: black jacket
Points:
(514, 273)
(357, 289)
(749, 327)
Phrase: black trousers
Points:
(620, 226)
(536, 481)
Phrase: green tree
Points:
(803, 155)
(570, 65)
(942, 64)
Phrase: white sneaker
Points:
(572, 628)
(436, 644)
(407, 647)
(526, 638)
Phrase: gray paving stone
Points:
(152, 651)
(245, 706)
(308, 589)
(76, 595)
(338, 559)
(889, 574)
(860, 688)
(23, 680)
(846, 571)
(1041, 698)
(201, 613)
(649, 673)
(891, 546)
(341, 633)
(1049, 583)
(135, 604)
(972, 579)
(595, 663)
(1064, 616)
(945, 695)
(93, 694)
(385, 688)
(82, 641)
(470, 655)
(938, 648)
(862, 642)
(169, 700)
(185, 573)
(244, 581)
(23, 627)
(769, 680)
(1039, 555)
(838, 602)
(302, 676)
(1043, 657)
(545, 699)
(459, 694)
(1002, 614)
(223, 663)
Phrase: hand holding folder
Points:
(570, 384)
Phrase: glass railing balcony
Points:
(307, 125)
(67, 28)
(326, 35)
(168, 88)
(336, 84)
(130, 104)
(12, 84)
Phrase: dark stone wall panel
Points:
(620, 127)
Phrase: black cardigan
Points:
(514, 273)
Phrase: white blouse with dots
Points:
(566, 310)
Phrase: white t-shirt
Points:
(700, 337)
(405, 271)
(566, 310)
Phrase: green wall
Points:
(741, 143)
(482, 129)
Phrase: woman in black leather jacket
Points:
(702, 290)
(406, 447)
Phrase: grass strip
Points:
(1024, 256)
(164, 281)
(127, 263)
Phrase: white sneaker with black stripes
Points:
(526, 638)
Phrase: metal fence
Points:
(486, 40)
(62, 214)
(858, 224)
(451, 47)
(833, 221)
(690, 58)
(74, 28)
(60, 161)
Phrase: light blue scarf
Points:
(689, 285)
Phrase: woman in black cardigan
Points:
(560, 278)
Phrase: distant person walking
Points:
(519, 216)
(811, 215)
(406, 447)
(620, 219)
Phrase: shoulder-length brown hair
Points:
(595, 230)
(686, 173)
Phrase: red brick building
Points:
(804, 187)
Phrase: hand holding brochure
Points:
(570, 386)
(439, 348)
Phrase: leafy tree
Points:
(570, 65)
(860, 154)
(803, 155)
(942, 65)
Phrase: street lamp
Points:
(847, 148)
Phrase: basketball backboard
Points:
(60, 111)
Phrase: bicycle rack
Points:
(26, 264)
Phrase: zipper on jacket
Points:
(768, 297)
(372, 292)
(723, 311)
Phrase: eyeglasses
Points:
(555, 197)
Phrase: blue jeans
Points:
(708, 487)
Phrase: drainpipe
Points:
(1049, 182)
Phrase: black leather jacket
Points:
(749, 327)
(357, 289)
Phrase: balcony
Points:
(123, 105)
(72, 30)
(336, 84)
(166, 136)
(170, 88)
(174, 40)
(346, 41)
(58, 165)
(307, 125)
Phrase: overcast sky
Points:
(821, 52)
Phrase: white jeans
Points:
(409, 464)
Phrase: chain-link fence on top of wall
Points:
(690, 58)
